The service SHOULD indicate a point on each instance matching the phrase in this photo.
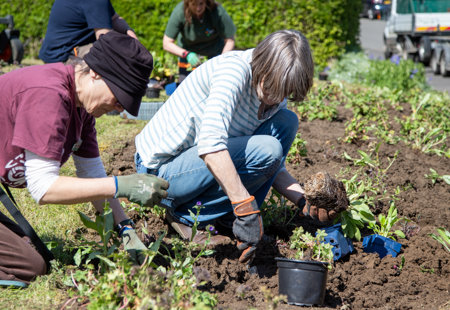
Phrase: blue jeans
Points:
(257, 159)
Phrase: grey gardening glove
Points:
(143, 189)
(133, 245)
(247, 228)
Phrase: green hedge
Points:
(332, 26)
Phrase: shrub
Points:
(331, 26)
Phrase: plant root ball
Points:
(323, 191)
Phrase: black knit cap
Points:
(125, 65)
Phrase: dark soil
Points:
(360, 280)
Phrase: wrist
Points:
(116, 183)
(124, 225)
(184, 54)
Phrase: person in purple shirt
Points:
(74, 25)
(48, 114)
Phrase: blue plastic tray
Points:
(146, 111)
(381, 245)
(341, 245)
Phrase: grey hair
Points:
(282, 66)
(79, 64)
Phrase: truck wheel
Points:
(17, 50)
(444, 65)
(425, 50)
(434, 63)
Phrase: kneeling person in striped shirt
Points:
(222, 137)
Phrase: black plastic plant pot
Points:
(152, 92)
(303, 282)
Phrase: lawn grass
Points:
(59, 222)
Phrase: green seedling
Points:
(309, 247)
(104, 226)
(297, 150)
(386, 223)
(434, 177)
(272, 300)
(443, 237)
(358, 215)
(399, 268)
(275, 211)
(320, 103)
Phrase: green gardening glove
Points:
(193, 59)
(133, 245)
(143, 189)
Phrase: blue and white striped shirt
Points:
(214, 103)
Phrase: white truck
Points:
(420, 30)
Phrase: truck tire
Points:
(17, 50)
(425, 50)
(445, 62)
(434, 62)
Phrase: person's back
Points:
(72, 23)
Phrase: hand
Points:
(133, 245)
(321, 214)
(193, 59)
(143, 189)
(247, 228)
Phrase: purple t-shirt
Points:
(39, 114)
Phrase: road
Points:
(371, 39)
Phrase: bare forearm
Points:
(71, 190)
(229, 45)
(224, 171)
(170, 46)
(287, 186)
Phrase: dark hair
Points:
(282, 66)
(211, 5)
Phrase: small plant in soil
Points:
(386, 223)
(297, 150)
(358, 215)
(443, 237)
(88, 250)
(276, 212)
(436, 177)
(309, 247)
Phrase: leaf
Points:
(108, 220)
(87, 221)
(77, 257)
(444, 234)
(446, 179)
(347, 157)
(155, 245)
(357, 234)
(107, 261)
(400, 234)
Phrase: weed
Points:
(320, 103)
(297, 150)
(272, 300)
(276, 211)
(434, 177)
(399, 268)
(88, 250)
(443, 237)
(386, 223)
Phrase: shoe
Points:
(200, 237)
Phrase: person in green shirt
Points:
(201, 28)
